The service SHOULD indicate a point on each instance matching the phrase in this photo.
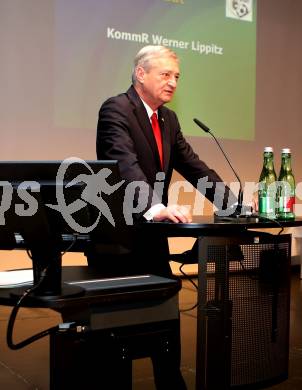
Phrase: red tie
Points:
(157, 135)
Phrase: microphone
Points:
(237, 212)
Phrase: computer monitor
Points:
(45, 201)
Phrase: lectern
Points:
(243, 322)
(243, 300)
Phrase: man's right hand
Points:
(173, 213)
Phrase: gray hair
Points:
(144, 57)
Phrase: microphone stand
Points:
(237, 213)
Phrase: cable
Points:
(187, 276)
(75, 237)
(209, 306)
(274, 221)
(29, 253)
(193, 283)
(14, 312)
(13, 315)
(247, 273)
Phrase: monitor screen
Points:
(49, 204)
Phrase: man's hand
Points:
(255, 202)
(174, 213)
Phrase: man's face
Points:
(158, 84)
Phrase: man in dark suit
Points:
(148, 149)
(125, 133)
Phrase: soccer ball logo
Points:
(240, 7)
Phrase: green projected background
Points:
(96, 40)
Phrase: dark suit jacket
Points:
(124, 133)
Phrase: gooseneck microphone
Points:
(240, 193)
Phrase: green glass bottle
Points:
(267, 186)
(286, 187)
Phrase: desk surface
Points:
(208, 225)
(201, 226)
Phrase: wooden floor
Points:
(27, 369)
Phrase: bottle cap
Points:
(285, 150)
(268, 149)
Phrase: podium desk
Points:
(113, 322)
(243, 300)
(242, 316)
